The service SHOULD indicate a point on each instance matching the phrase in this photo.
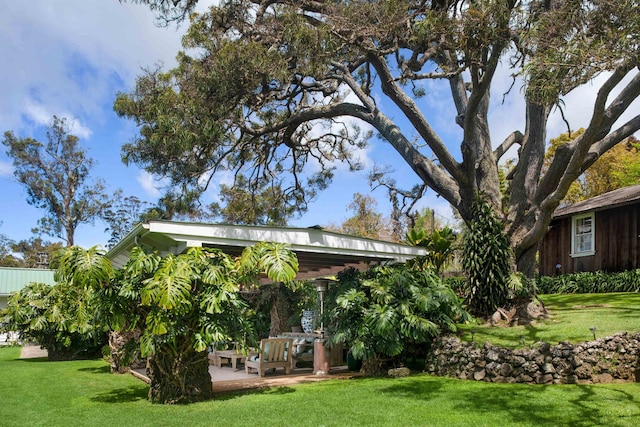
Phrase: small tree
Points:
(486, 259)
(180, 304)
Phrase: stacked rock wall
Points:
(614, 358)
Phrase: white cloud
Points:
(149, 184)
(41, 116)
(70, 56)
(6, 169)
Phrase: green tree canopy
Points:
(257, 203)
(280, 89)
(366, 220)
(56, 176)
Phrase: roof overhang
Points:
(319, 252)
(612, 199)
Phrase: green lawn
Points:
(571, 317)
(82, 393)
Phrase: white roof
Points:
(319, 252)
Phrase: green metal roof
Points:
(14, 279)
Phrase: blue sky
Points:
(70, 58)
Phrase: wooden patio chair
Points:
(274, 353)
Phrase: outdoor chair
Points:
(274, 353)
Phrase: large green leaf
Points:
(278, 262)
(84, 268)
(170, 286)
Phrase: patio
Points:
(225, 379)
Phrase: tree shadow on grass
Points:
(230, 395)
(95, 370)
(32, 360)
(122, 395)
(419, 387)
(579, 406)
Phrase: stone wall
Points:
(615, 358)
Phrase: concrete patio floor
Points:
(225, 379)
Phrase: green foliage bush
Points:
(590, 282)
(59, 318)
(390, 313)
(486, 260)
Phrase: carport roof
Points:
(319, 252)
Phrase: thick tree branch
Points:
(417, 119)
(608, 142)
(515, 138)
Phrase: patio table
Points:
(232, 355)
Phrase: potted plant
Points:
(295, 322)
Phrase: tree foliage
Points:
(388, 312)
(180, 304)
(254, 203)
(287, 89)
(121, 214)
(486, 259)
(617, 168)
(56, 176)
(366, 220)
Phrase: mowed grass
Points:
(83, 393)
(570, 318)
(36, 392)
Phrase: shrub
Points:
(386, 314)
(590, 282)
(59, 318)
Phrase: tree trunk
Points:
(124, 351)
(526, 262)
(179, 375)
(280, 312)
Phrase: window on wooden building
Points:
(583, 235)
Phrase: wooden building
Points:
(602, 233)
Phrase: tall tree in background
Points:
(254, 203)
(366, 220)
(271, 86)
(36, 253)
(56, 176)
(7, 257)
(123, 213)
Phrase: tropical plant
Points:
(486, 260)
(390, 312)
(590, 282)
(440, 246)
(59, 318)
(180, 304)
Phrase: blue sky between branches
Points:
(69, 58)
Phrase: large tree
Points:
(276, 88)
(56, 176)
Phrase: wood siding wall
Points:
(617, 243)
